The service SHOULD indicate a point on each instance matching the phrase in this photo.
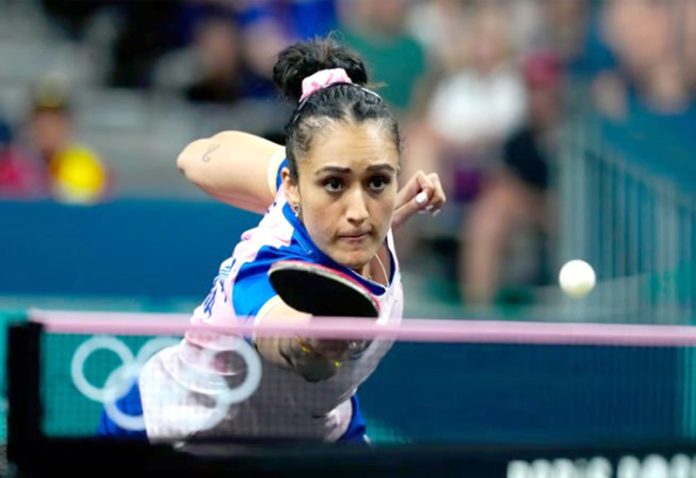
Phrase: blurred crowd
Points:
(47, 161)
(483, 89)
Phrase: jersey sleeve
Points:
(252, 288)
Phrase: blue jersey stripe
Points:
(252, 287)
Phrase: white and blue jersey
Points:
(284, 404)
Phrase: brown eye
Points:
(333, 185)
(378, 183)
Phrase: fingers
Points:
(437, 197)
(333, 349)
(415, 195)
(409, 190)
(424, 181)
(422, 193)
(431, 195)
(324, 348)
(341, 350)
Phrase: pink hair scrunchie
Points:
(322, 79)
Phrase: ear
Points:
(292, 191)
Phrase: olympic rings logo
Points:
(121, 380)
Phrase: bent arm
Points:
(234, 167)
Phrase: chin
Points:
(352, 259)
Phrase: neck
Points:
(376, 270)
(364, 270)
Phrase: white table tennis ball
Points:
(577, 278)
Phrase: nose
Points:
(356, 208)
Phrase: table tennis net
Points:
(155, 377)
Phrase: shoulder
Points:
(273, 240)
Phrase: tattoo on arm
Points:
(206, 156)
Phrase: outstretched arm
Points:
(234, 167)
(313, 359)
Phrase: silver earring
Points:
(296, 210)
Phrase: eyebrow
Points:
(340, 170)
(382, 167)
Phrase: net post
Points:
(23, 393)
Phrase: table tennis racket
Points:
(321, 291)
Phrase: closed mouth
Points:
(354, 235)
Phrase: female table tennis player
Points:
(330, 197)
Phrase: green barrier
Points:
(67, 412)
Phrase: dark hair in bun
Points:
(303, 59)
(338, 102)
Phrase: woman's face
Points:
(346, 190)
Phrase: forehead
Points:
(345, 143)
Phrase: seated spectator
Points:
(215, 68)
(219, 79)
(472, 109)
(263, 37)
(649, 97)
(61, 167)
(377, 30)
(517, 197)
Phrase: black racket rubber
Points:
(321, 291)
